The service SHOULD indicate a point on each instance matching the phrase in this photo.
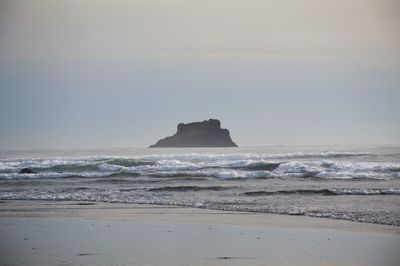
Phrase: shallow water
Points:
(360, 183)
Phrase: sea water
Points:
(358, 183)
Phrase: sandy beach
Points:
(86, 233)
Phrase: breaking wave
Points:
(359, 186)
(222, 166)
(324, 192)
(188, 188)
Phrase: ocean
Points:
(357, 183)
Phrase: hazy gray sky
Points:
(94, 73)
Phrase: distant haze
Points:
(94, 73)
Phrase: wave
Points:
(288, 192)
(216, 173)
(188, 188)
(221, 166)
(137, 196)
(126, 162)
(283, 171)
(339, 170)
(15, 165)
(68, 164)
(324, 192)
(52, 175)
(257, 166)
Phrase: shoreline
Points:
(73, 233)
(118, 211)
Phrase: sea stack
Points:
(198, 134)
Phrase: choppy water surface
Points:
(360, 183)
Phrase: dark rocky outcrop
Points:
(198, 134)
(26, 171)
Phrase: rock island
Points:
(198, 134)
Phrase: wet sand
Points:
(84, 233)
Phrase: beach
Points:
(95, 233)
(300, 205)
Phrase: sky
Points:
(97, 74)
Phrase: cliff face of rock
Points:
(198, 134)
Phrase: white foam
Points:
(366, 191)
(215, 165)
(105, 167)
(51, 175)
(40, 163)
